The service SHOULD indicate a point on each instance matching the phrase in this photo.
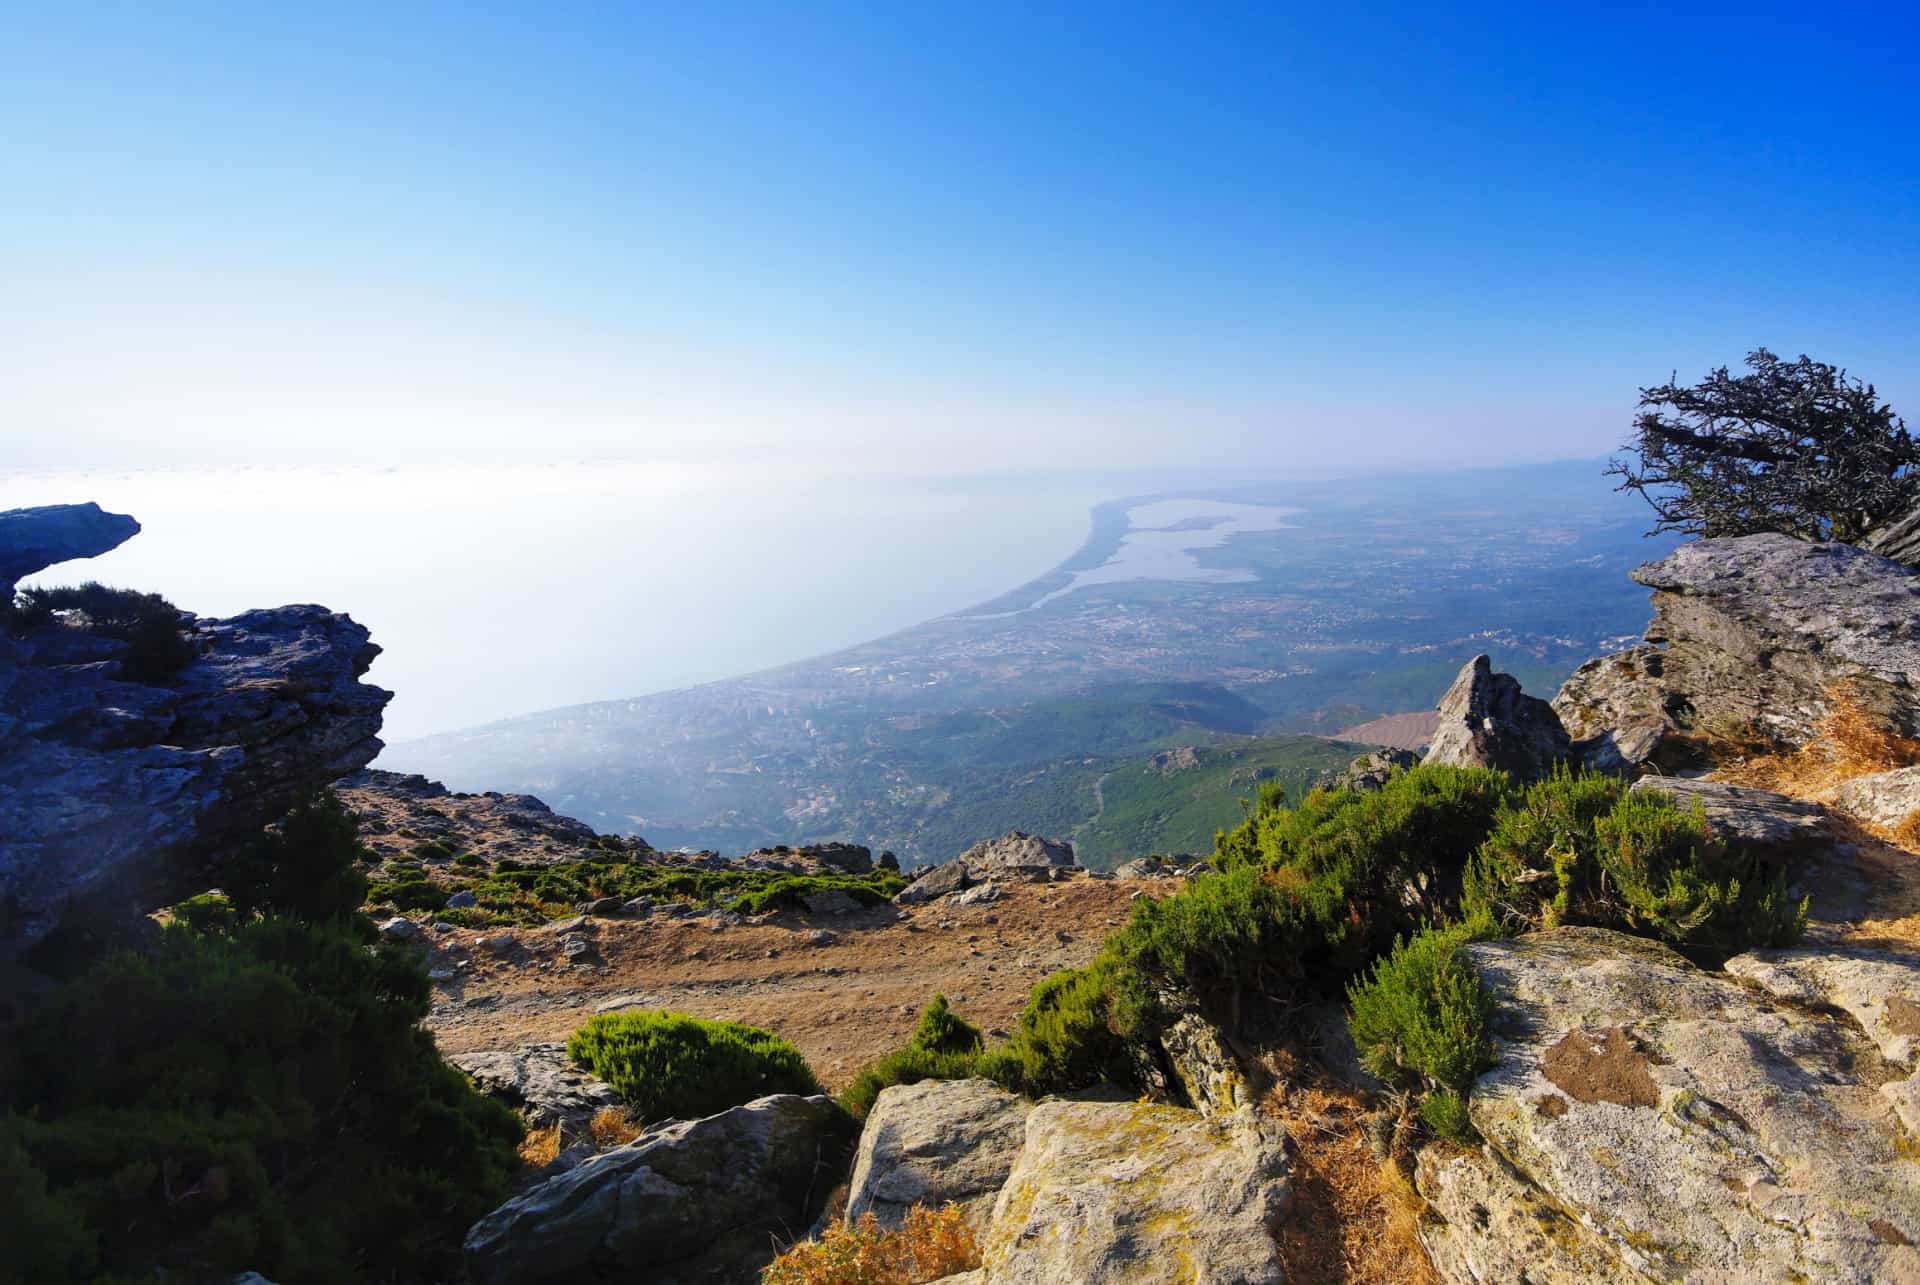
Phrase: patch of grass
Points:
(1851, 741)
(928, 1245)
(668, 1065)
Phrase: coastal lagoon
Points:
(1163, 536)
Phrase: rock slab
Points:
(1127, 1193)
(695, 1200)
(934, 1143)
(541, 1082)
(1670, 1124)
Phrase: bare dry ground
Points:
(841, 1004)
(1395, 731)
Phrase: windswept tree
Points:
(1795, 447)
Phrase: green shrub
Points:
(668, 1065)
(304, 867)
(944, 1046)
(158, 644)
(1590, 850)
(433, 850)
(1066, 1037)
(1445, 1112)
(1422, 1013)
(790, 892)
(469, 860)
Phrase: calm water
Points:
(498, 591)
(1162, 536)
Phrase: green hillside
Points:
(1173, 803)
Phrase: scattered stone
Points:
(694, 1200)
(605, 907)
(577, 924)
(1487, 721)
(620, 1003)
(401, 930)
(462, 900)
(821, 937)
(637, 908)
(936, 1142)
(577, 949)
(1147, 868)
(978, 895)
(497, 943)
(935, 882)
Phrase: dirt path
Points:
(841, 1003)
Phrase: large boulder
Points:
(1650, 1121)
(1487, 721)
(117, 797)
(1751, 639)
(695, 1200)
(1106, 1193)
(1018, 853)
(934, 1143)
(934, 883)
(541, 1082)
(31, 540)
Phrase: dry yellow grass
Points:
(931, 1243)
(1353, 1217)
(540, 1146)
(1851, 742)
(612, 1127)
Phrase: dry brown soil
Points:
(841, 1004)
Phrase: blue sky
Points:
(954, 238)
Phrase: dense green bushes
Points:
(1307, 896)
(255, 1093)
(155, 632)
(791, 892)
(672, 1066)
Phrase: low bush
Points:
(1590, 850)
(158, 643)
(944, 1046)
(791, 892)
(1419, 1019)
(928, 1245)
(668, 1065)
(408, 894)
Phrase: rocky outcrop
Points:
(1020, 855)
(1105, 1193)
(541, 1082)
(934, 1143)
(1650, 1121)
(31, 540)
(119, 796)
(1370, 771)
(1014, 855)
(1487, 721)
(1751, 638)
(1771, 825)
(1885, 798)
(695, 1200)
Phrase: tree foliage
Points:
(669, 1065)
(1798, 447)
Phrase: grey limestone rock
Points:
(540, 1081)
(1885, 798)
